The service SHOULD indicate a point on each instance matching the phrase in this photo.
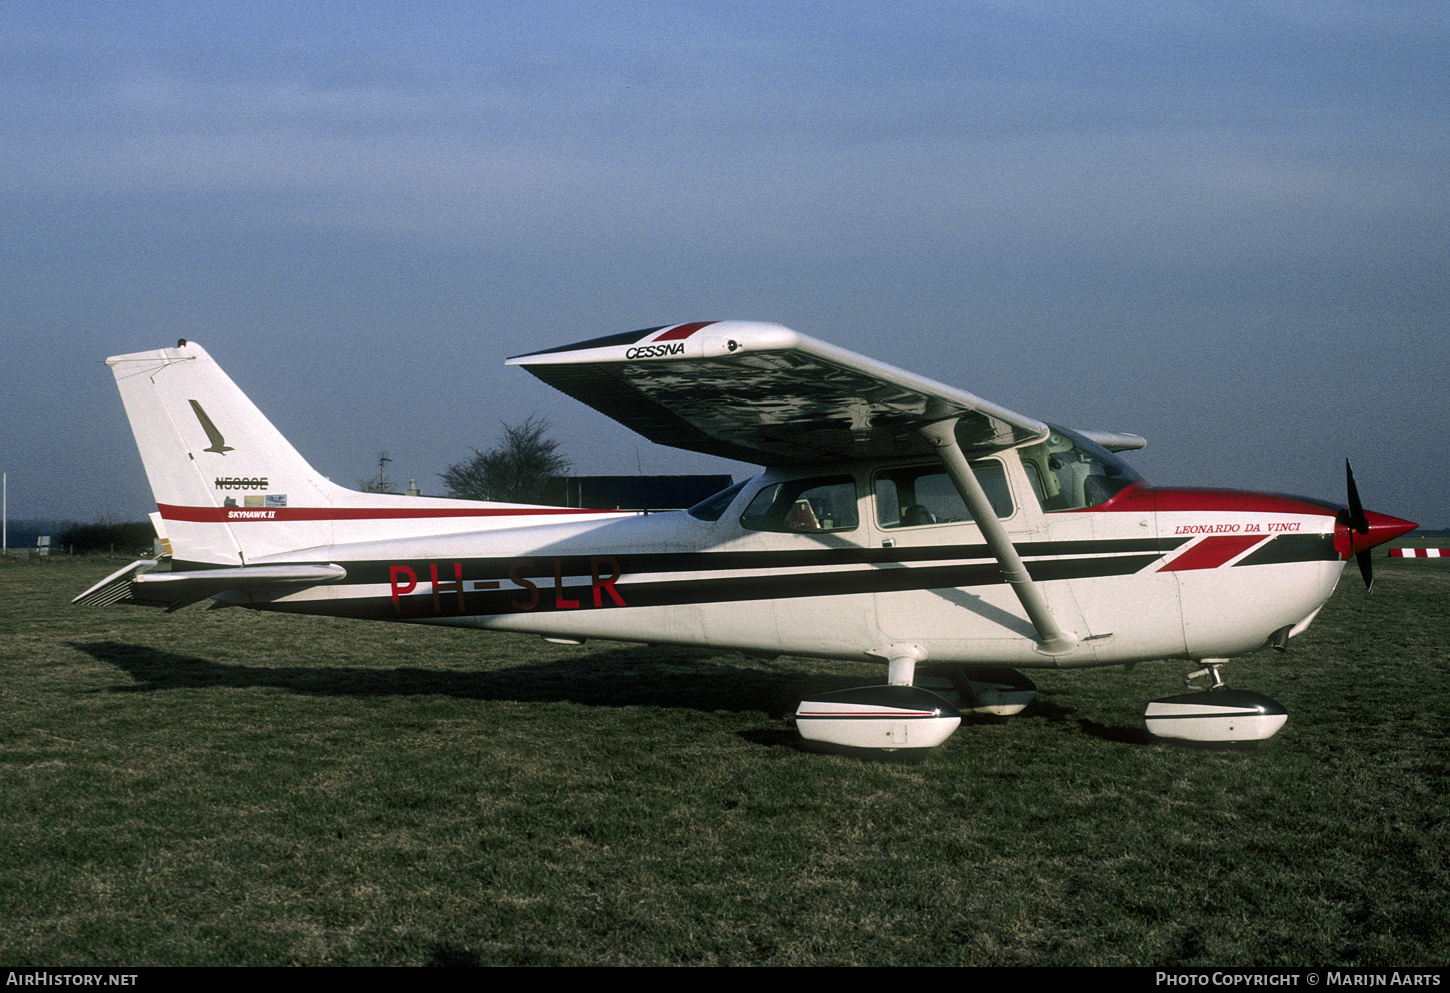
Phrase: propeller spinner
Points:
(1361, 530)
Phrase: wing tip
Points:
(670, 341)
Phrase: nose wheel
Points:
(1210, 669)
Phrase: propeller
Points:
(1358, 524)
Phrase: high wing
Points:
(762, 393)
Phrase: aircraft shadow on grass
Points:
(680, 679)
(629, 676)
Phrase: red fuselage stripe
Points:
(1210, 553)
(1167, 500)
(872, 715)
(225, 515)
(1171, 499)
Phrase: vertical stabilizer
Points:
(231, 490)
(214, 461)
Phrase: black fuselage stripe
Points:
(637, 563)
(1292, 548)
(423, 601)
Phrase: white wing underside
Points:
(762, 393)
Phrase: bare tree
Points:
(382, 482)
(513, 471)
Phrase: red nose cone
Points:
(1382, 528)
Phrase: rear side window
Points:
(916, 495)
(804, 506)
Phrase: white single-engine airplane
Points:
(900, 520)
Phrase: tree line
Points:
(515, 470)
(137, 537)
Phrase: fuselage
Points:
(837, 561)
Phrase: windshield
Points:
(710, 508)
(1068, 472)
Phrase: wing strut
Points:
(1054, 640)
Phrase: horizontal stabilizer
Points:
(137, 584)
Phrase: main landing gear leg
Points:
(1219, 714)
(995, 691)
(901, 666)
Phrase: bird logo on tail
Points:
(218, 443)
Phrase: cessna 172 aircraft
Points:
(899, 521)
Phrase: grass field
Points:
(229, 787)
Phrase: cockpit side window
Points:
(1069, 472)
(911, 496)
(804, 506)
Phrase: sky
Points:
(1222, 226)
